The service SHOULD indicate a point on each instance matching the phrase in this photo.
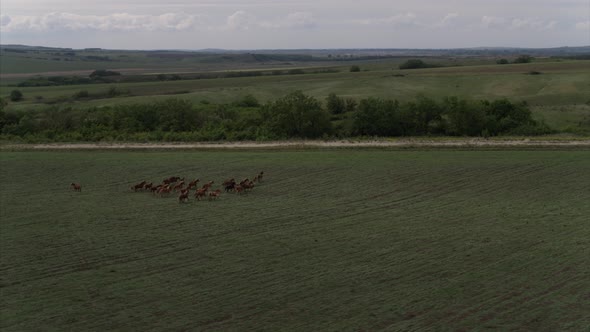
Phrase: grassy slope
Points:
(563, 83)
(332, 240)
(557, 95)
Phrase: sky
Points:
(288, 24)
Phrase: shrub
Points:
(354, 69)
(16, 95)
(296, 115)
(81, 94)
(415, 64)
(335, 104)
(523, 59)
(103, 73)
(295, 72)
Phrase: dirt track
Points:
(460, 143)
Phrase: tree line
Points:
(295, 115)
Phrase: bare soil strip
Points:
(465, 143)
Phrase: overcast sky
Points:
(288, 24)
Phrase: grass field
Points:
(563, 83)
(558, 96)
(332, 240)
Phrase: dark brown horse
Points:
(183, 198)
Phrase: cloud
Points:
(243, 20)
(112, 22)
(396, 20)
(532, 24)
(299, 20)
(585, 25)
(448, 20)
(525, 23)
(493, 22)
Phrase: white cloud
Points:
(449, 19)
(112, 22)
(493, 22)
(532, 24)
(583, 25)
(245, 21)
(396, 20)
(518, 23)
(241, 20)
(299, 20)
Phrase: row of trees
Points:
(295, 115)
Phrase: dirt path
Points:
(460, 143)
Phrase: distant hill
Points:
(378, 52)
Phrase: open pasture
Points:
(331, 240)
(561, 83)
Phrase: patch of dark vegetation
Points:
(295, 115)
(16, 95)
(326, 71)
(180, 92)
(55, 80)
(98, 76)
(111, 92)
(105, 76)
(523, 59)
(295, 72)
(416, 64)
(573, 57)
(104, 73)
(13, 50)
(534, 72)
(96, 58)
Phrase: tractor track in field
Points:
(402, 143)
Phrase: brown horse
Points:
(76, 186)
(193, 183)
(239, 189)
(200, 193)
(138, 186)
(214, 194)
(248, 185)
(207, 185)
(229, 185)
(183, 198)
(164, 190)
(172, 179)
(180, 186)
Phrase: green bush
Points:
(296, 115)
(16, 95)
(415, 64)
(523, 59)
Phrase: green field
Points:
(564, 83)
(559, 95)
(332, 240)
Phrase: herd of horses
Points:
(176, 184)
